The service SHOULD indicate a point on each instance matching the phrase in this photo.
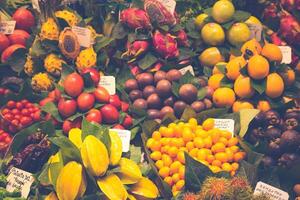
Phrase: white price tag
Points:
(225, 124)
(169, 4)
(19, 180)
(35, 5)
(7, 27)
(109, 83)
(125, 137)
(186, 69)
(256, 31)
(286, 54)
(272, 192)
(83, 35)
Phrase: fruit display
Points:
(5, 140)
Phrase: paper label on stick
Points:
(186, 69)
(35, 5)
(109, 83)
(125, 137)
(169, 4)
(19, 180)
(256, 31)
(83, 35)
(272, 192)
(286, 54)
(7, 27)
(225, 124)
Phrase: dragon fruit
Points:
(290, 28)
(182, 38)
(290, 5)
(134, 69)
(271, 16)
(137, 47)
(165, 45)
(277, 40)
(135, 18)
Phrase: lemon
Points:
(213, 34)
(200, 20)
(253, 20)
(223, 11)
(210, 57)
(238, 34)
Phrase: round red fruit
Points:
(19, 105)
(9, 51)
(46, 100)
(24, 19)
(5, 111)
(4, 42)
(93, 73)
(19, 37)
(67, 107)
(11, 104)
(73, 84)
(94, 115)
(15, 111)
(110, 114)
(55, 94)
(25, 112)
(119, 126)
(101, 95)
(115, 101)
(127, 123)
(37, 115)
(124, 106)
(25, 121)
(85, 101)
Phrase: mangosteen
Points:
(291, 121)
(164, 88)
(198, 106)
(159, 75)
(148, 90)
(259, 120)
(258, 132)
(268, 161)
(169, 101)
(145, 79)
(290, 140)
(288, 159)
(274, 148)
(272, 133)
(208, 103)
(131, 84)
(154, 114)
(179, 107)
(188, 93)
(272, 118)
(135, 94)
(140, 104)
(154, 101)
(165, 110)
(173, 75)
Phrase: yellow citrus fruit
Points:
(164, 172)
(210, 57)
(208, 124)
(251, 45)
(215, 169)
(272, 52)
(223, 97)
(200, 20)
(226, 167)
(218, 147)
(242, 87)
(159, 164)
(239, 156)
(253, 20)
(222, 156)
(263, 106)
(233, 67)
(258, 67)
(222, 11)
(216, 70)
(239, 105)
(215, 81)
(274, 86)
(155, 155)
(289, 77)
(238, 34)
(213, 34)
(232, 142)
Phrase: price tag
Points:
(109, 83)
(19, 180)
(125, 137)
(169, 4)
(83, 35)
(7, 27)
(256, 31)
(286, 54)
(272, 192)
(225, 124)
(35, 5)
(186, 69)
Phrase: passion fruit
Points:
(148, 90)
(131, 84)
(169, 101)
(154, 114)
(173, 75)
(179, 107)
(135, 94)
(198, 106)
(164, 88)
(290, 140)
(154, 101)
(188, 93)
(166, 110)
(159, 75)
(145, 79)
(140, 104)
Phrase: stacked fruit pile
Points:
(5, 140)
(213, 147)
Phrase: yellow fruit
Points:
(164, 172)
(180, 157)
(215, 81)
(239, 105)
(223, 97)
(156, 135)
(289, 77)
(222, 11)
(68, 16)
(208, 124)
(232, 142)
(146, 188)
(218, 147)
(72, 172)
(252, 20)
(233, 67)
(239, 156)
(272, 52)
(115, 148)
(213, 34)
(155, 155)
(169, 180)
(159, 164)
(51, 196)
(69, 44)
(175, 177)
(49, 30)
(210, 57)
(242, 87)
(216, 70)
(274, 86)
(258, 67)
(263, 106)
(222, 156)
(200, 20)
(87, 58)
(53, 64)
(253, 46)
(112, 187)
(179, 185)
(238, 34)
(129, 171)
(199, 143)
(94, 155)
(215, 169)
(226, 167)
(75, 137)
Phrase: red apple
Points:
(93, 73)
(67, 107)
(24, 19)
(73, 84)
(115, 101)
(110, 114)
(4, 42)
(19, 37)
(85, 101)
(9, 51)
(127, 123)
(94, 115)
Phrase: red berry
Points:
(15, 122)
(127, 122)
(124, 106)
(29, 105)
(25, 121)
(11, 104)
(25, 112)
(18, 117)
(2, 137)
(8, 117)
(19, 105)
(24, 102)
(31, 110)
(15, 111)
(37, 115)
(2, 91)
(5, 111)
(5, 134)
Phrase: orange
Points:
(215, 81)
(208, 124)
(210, 57)
(169, 180)
(258, 67)
(233, 67)
(156, 135)
(222, 156)
(216, 70)
(215, 169)
(274, 86)
(272, 52)
(213, 34)
(217, 163)
(180, 157)
(155, 155)
(232, 142)
(223, 97)
(263, 106)
(242, 87)
(289, 77)
(226, 167)
(239, 105)
(159, 164)
(239, 156)
(253, 46)
(164, 172)
(218, 147)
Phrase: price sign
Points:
(186, 69)
(109, 83)
(225, 124)
(169, 4)
(125, 137)
(286, 54)
(7, 27)
(272, 192)
(35, 5)
(83, 35)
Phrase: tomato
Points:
(67, 107)
(11, 104)
(73, 84)
(119, 126)
(5, 111)
(37, 115)
(124, 106)
(127, 123)
(68, 125)
(93, 73)
(25, 121)
(115, 101)
(94, 115)
(110, 114)
(85, 101)
(15, 111)
(101, 95)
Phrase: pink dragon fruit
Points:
(290, 28)
(290, 5)
(182, 38)
(134, 69)
(137, 47)
(277, 40)
(165, 45)
(135, 18)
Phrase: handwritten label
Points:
(19, 180)
(186, 69)
(7, 27)
(35, 5)
(125, 137)
(109, 83)
(83, 35)
(169, 4)
(225, 124)
(286, 54)
(272, 192)
(256, 31)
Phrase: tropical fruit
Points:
(115, 148)
(51, 196)
(253, 46)
(258, 67)
(87, 58)
(243, 88)
(252, 20)
(239, 105)
(215, 81)
(145, 188)
(72, 172)
(274, 86)
(49, 30)
(210, 57)
(130, 172)
(75, 137)
(94, 156)
(223, 97)
(200, 20)
(289, 77)
(238, 34)
(53, 64)
(272, 52)
(222, 11)
(213, 34)
(69, 44)
(112, 187)
(263, 106)
(233, 67)
(68, 16)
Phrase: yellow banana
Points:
(115, 148)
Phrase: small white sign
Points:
(186, 69)
(125, 136)
(169, 4)
(272, 192)
(286, 54)
(7, 27)
(19, 180)
(225, 124)
(109, 83)
(256, 31)
(84, 36)
(35, 5)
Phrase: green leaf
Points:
(211, 113)
(119, 31)
(201, 93)
(149, 127)
(134, 131)
(175, 88)
(259, 85)
(244, 71)
(226, 82)
(51, 108)
(221, 68)
(208, 11)
(17, 60)
(147, 61)
(246, 116)
(102, 42)
(135, 153)
(186, 78)
(241, 16)
(207, 71)
(228, 25)
(235, 51)
(187, 114)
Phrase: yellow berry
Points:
(218, 147)
(150, 142)
(180, 184)
(182, 172)
(156, 135)
(180, 157)
(226, 167)
(167, 160)
(174, 167)
(155, 155)
(159, 164)
(173, 151)
(189, 145)
(175, 177)
(169, 180)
